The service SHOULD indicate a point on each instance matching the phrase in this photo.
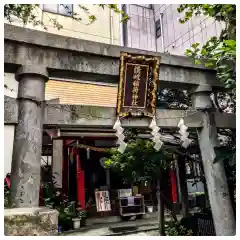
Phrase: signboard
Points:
(102, 201)
(137, 92)
(124, 192)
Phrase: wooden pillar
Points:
(182, 181)
(27, 147)
(80, 182)
(57, 162)
(65, 168)
(178, 180)
(108, 183)
(223, 216)
(161, 218)
(107, 172)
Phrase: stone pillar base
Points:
(38, 221)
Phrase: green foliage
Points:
(220, 12)
(115, 9)
(173, 99)
(24, 12)
(27, 14)
(218, 53)
(55, 200)
(174, 228)
(140, 162)
(81, 214)
(6, 197)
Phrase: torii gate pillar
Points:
(216, 180)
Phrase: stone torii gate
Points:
(34, 56)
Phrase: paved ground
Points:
(148, 233)
(113, 226)
(143, 227)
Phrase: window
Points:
(62, 9)
(158, 28)
(145, 5)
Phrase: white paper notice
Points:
(102, 201)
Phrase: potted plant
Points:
(56, 200)
(82, 215)
(79, 220)
(76, 223)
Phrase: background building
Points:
(153, 27)
(105, 29)
(156, 27)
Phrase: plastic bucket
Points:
(150, 209)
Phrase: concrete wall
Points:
(30, 222)
(99, 31)
(140, 32)
(8, 147)
(10, 81)
(178, 37)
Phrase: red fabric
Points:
(8, 182)
(174, 185)
(67, 142)
(80, 184)
(74, 151)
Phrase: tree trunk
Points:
(183, 185)
(160, 210)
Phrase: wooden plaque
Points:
(137, 91)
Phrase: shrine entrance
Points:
(80, 175)
(83, 174)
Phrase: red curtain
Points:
(174, 185)
(80, 183)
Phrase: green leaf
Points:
(209, 64)
(222, 67)
(230, 43)
(188, 52)
(195, 45)
(204, 51)
(196, 61)
(92, 18)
